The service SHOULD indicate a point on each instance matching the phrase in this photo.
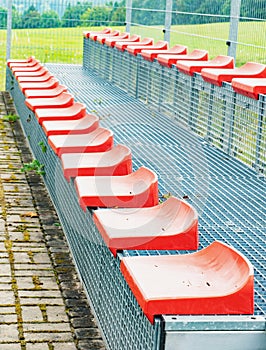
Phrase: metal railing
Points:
(52, 30)
(227, 120)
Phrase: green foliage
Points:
(72, 15)
(50, 19)
(43, 146)
(11, 118)
(3, 17)
(16, 18)
(35, 166)
(31, 18)
(96, 16)
(114, 13)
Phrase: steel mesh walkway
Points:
(229, 196)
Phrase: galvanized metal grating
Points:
(244, 229)
(123, 324)
(224, 191)
(229, 121)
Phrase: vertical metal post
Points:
(261, 105)
(128, 15)
(168, 19)
(233, 31)
(9, 30)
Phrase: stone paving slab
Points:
(42, 302)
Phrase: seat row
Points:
(249, 79)
(203, 282)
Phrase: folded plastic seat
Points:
(136, 49)
(76, 111)
(99, 140)
(122, 45)
(217, 280)
(191, 67)
(45, 93)
(121, 36)
(31, 63)
(87, 34)
(250, 87)
(49, 84)
(64, 100)
(111, 41)
(19, 61)
(169, 60)
(34, 78)
(83, 125)
(138, 189)
(115, 162)
(171, 225)
(38, 73)
(151, 55)
(35, 68)
(97, 36)
(248, 70)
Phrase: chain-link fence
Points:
(52, 30)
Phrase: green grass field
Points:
(64, 45)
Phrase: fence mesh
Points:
(52, 30)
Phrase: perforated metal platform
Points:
(229, 196)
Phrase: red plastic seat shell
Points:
(35, 78)
(191, 67)
(216, 280)
(138, 189)
(251, 87)
(87, 34)
(83, 125)
(151, 55)
(169, 60)
(38, 73)
(35, 68)
(23, 61)
(116, 38)
(31, 63)
(101, 37)
(111, 41)
(169, 226)
(115, 162)
(122, 45)
(75, 111)
(99, 140)
(46, 93)
(49, 84)
(248, 70)
(135, 49)
(63, 100)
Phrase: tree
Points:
(16, 18)
(3, 18)
(96, 16)
(118, 16)
(31, 18)
(72, 14)
(50, 19)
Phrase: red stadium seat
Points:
(169, 226)
(117, 161)
(217, 280)
(138, 189)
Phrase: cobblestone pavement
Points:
(42, 304)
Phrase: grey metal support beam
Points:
(128, 15)
(168, 19)
(233, 31)
(9, 30)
